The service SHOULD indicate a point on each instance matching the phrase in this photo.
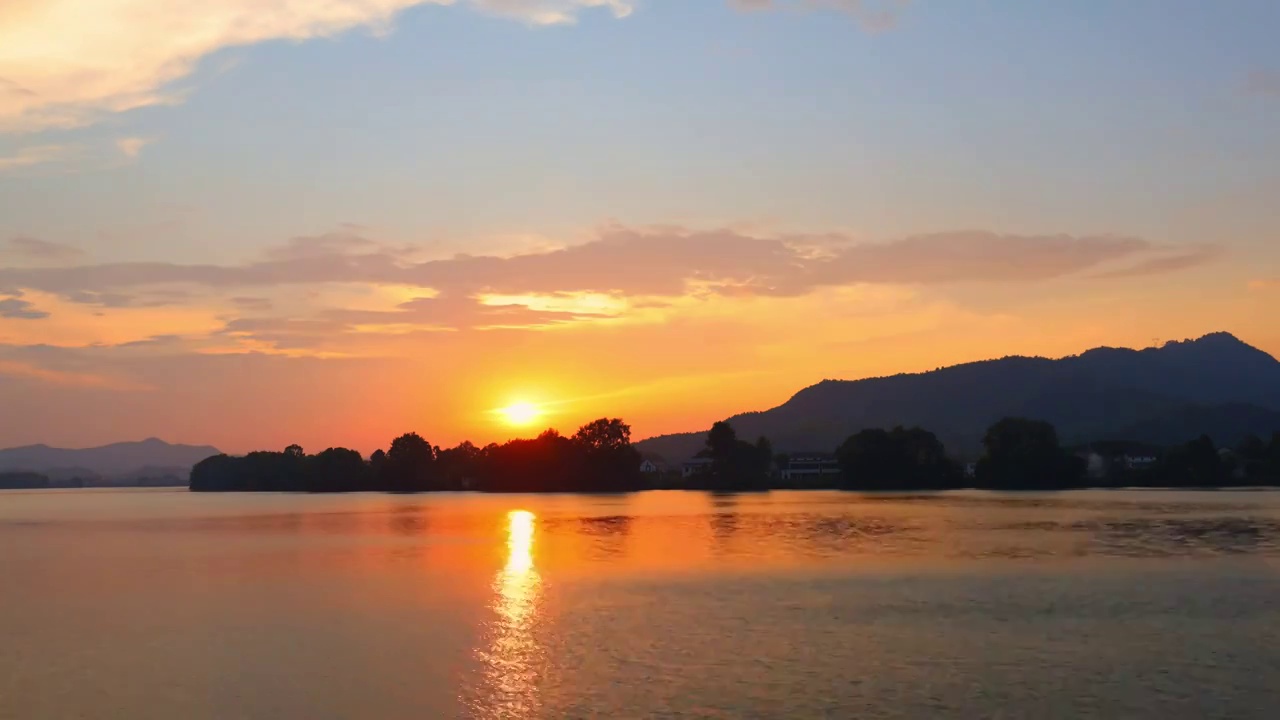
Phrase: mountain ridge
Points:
(1088, 395)
(122, 459)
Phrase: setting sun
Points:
(521, 413)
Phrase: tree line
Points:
(1019, 454)
(25, 480)
(1024, 454)
(599, 457)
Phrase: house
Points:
(1095, 464)
(695, 466)
(1138, 462)
(649, 467)
(802, 466)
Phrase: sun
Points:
(520, 413)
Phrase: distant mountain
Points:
(1216, 385)
(128, 459)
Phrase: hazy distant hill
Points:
(128, 459)
(1216, 384)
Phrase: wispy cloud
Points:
(253, 304)
(552, 12)
(34, 155)
(69, 63)
(66, 63)
(665, 261)
(338, 293)
(131, 147)
(36, 249)
(1161, 264)
(30, 371)
(16, 308)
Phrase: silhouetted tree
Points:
(543, 464)
(1273, 456)
(458, 467)
(337, 470)
(1025, 454)
(870, 459)
(604, 435)
(1195, 464)
(1254, 462)
(609, 462)
(899, 459)
(377, 465)
(782, 460)
(764, 453)
(215, 474)
(722, 439)
(735, 464)
(410, 464)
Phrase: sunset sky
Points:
(255, 222)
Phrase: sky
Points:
(251, 223)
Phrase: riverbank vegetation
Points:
(1020, 454)
(599, 457)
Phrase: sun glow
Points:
(520, 413)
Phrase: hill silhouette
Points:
(145, 458)
(1217, 385)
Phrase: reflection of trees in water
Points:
(725, 521)
(1159, 535)
(1183, 536)
(408, 520)
(848, 527)
(607, 535)
(853, 534)
(724, 525)
(807, 534)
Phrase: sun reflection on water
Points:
(512, 657)
(519, 543)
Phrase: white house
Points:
(1139, 462)
(696, 466)
(802, 466)
(650, 467)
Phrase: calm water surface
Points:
(163, 604)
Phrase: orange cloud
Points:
(48, 319)
(636, 262)
(332, 295)
(699, 359)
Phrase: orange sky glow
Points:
(257, 223)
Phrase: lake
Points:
(1110, 604)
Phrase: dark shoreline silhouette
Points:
(1020, 454)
